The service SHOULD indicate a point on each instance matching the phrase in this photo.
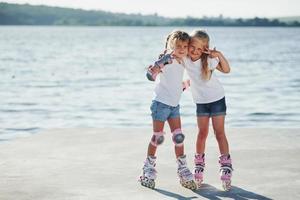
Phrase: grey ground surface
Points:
(106, 163)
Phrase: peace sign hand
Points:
(212, 53)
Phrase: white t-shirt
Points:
(168, 88)
(204, 91)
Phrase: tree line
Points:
(25, 14)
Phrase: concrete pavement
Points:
(105, 164)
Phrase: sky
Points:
(183, 8)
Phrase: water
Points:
(60, 77)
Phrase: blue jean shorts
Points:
(163, 112)
(212, 109)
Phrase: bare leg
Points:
(219, 130)
(174, 124)
(203, 123)
(157, 127)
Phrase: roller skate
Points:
(199, 168)
(185, 175)
(225, 171)
(148, 177)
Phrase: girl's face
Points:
(181, 49)
(196, 47)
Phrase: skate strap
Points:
(226, 165)
(199, 169)
(224, 162)
(200, 166)
(184, 171)
(199, 161)
(150, 170)
(225, 159)
(227, 168)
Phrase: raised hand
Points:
(162, 54)
(212, 53)
(165, 52)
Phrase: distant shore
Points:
(105, 164)
(26, 14)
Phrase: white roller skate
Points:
(185, 175)
(199, 168)
(225, 171)
(148, 177)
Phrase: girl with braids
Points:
(165, 107)
(209, 96)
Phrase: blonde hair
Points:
(202, 35)
(175, 36)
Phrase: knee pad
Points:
(157, 138)
(178, 137)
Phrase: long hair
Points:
(202, 35)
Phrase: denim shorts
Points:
(212, 109)
(163, 112)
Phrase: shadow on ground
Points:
(210, 192)
(174, 195)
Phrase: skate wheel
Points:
(152, 185)
(193, 185)
(198, 183)
(189, 184)
(226, 185)
(147, 183)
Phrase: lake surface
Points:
(61, 77)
